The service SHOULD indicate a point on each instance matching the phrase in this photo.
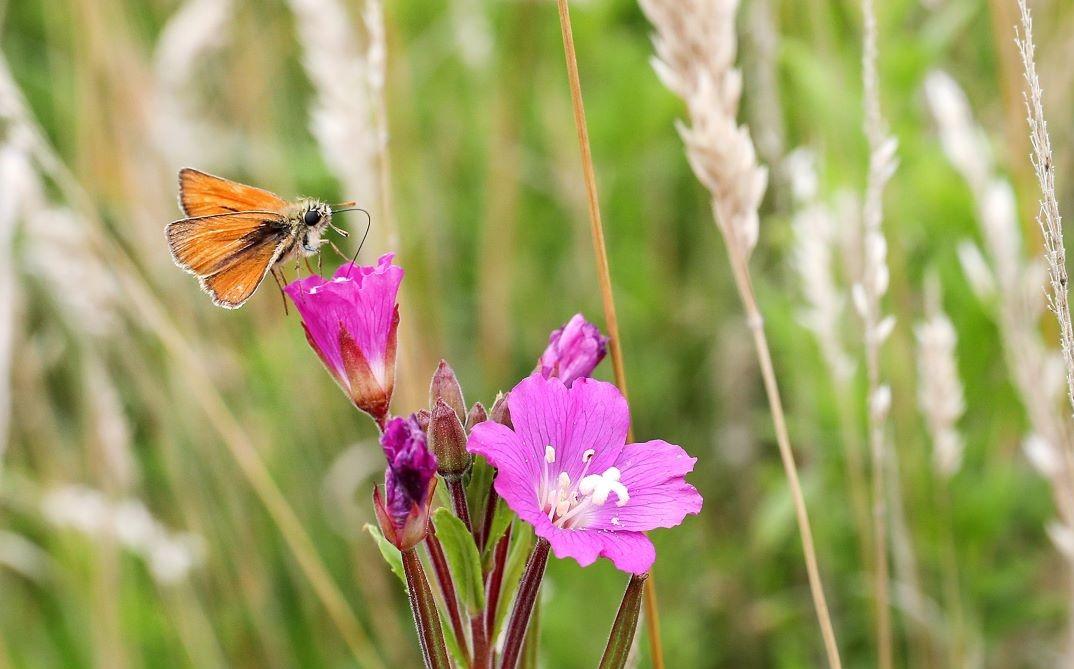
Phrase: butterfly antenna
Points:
(368, 225)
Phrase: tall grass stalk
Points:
(604, 276)
(695, 47)
(868, 293)
(152, 313)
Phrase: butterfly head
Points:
(315, 214)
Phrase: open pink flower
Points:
(573, 351)
(351, 321)
(567, 470)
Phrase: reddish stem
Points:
(482, 654)
(426, 619)
(490, 514)
(495, 581)
(458, 500)
(447, 588)
(528, 590)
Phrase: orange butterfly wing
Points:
(229, 253)
(202, 194)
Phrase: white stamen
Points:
(549, 454)
(588, 455)
(600, 486)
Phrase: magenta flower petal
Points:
(351, 322)
(564, 469)
(660, 497)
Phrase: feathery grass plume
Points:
(939, 388)
(169, 555)
(818, 255)
(347, 71)
(695, 46)
(1037, 372)
(868, 292)
(816, 249)
(1048, 218)
(15, 173)
(194, 33)
(940, 399)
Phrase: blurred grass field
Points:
(491, 222)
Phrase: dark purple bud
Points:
(573, 352)
(447, 439)
(445, 386)
(408, 481)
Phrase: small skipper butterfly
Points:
(234, 235)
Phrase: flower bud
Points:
(573, 352)
(423, 416)
(477, 415)
(447, 439)
(403, 511)
(500, 412)
(445, 386)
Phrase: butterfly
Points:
(234, 235)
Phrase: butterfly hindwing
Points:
(202, 194)
(229, 253)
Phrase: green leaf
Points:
(519, 552)
(450, 639)
(390, 553)
(463, 560)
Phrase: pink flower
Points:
(351, 321)
(573, 352)
(403, 513)
(565, 469)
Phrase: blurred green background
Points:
(125, 379)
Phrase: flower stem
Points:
(525, 600)
(426, 619)
(490, 513)
(600, 252)
(625, 625)
(480, 637)
(495, 582)
(447, 588)
(458, 501)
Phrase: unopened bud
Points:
(447, 439)
(477, 415)
(445, 386)
(500, 412)
(423, 416)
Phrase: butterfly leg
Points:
(338, 252)
(342, 232)
(280, 284)
(309, 267)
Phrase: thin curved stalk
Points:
(600, 252)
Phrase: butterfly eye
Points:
(311, 217)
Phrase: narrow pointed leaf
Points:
(463, 560)
(389, 552)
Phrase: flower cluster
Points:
(554, 450)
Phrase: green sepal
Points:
(389, 552)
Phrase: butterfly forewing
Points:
(202, 194)
(229, 253)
